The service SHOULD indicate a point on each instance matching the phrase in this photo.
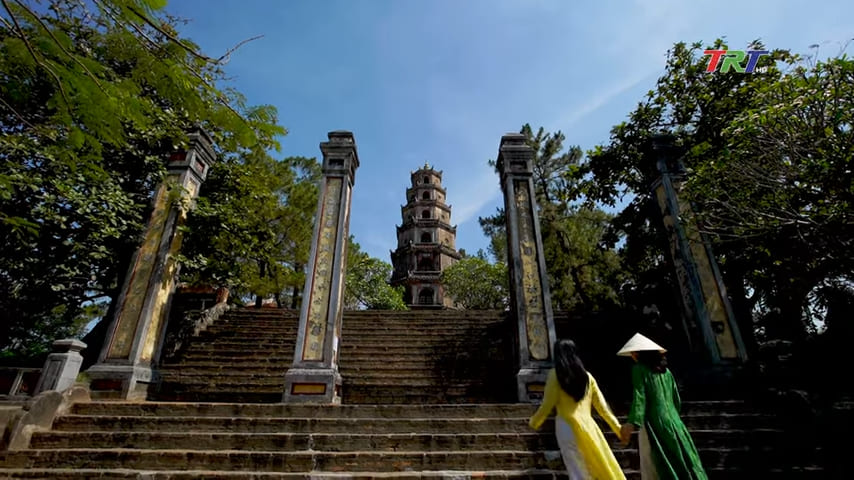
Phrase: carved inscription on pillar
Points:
(170, 273)
(683, 279)
(140, 277)
(535, 317)
(320, 291)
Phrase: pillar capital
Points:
(340, 158)
(515, 157)
(196, 157)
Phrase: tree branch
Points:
(20, 117)
(198, 75)
(168, 35)
(58, 44)
(26, 41)
(226, 56)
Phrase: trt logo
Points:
(733, 59)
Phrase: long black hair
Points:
(571, 374)
(655, 360)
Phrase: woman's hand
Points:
(626, 433)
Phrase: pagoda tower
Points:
(426, 241)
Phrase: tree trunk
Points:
(742, 307)
(295, 298)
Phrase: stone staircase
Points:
(418, 402)
(426, 357)
(241, 357)
(385, 357)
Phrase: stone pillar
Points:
(134, 338)
(62, 366)
(530, 301)
(314, 377)
(705, 304)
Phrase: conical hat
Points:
(639, 343)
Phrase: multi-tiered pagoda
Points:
(425, 241)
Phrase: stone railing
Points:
(192, 323)
(19, 422)
(18, 382)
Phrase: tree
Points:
(766, 157)
(252, 231)
(583, 275)
(90, 103)
(366, 284)
(475, 284)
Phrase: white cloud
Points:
(601, 98)
(473, 197)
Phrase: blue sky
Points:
(441, 81)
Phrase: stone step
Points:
(214, 351)
(808, 473)
(107, 423)
(238, 355)
(238, 322)
(262, 312)
(239, 334)
(350, 326)
(427, 364)
(366, 461)
(236, 384)
(390, 371)
(377, 318)
(291, 442)
(256, 362)
(172, 409)
(410, 442)
(230, 344)
(260, 396)
(214, 365)
(271, 424)
(425, 325)
(469, 338)
(439, 398)
(203, 374)
(354, 356)
(390, 349)
(373, 316)
(691, 408)
(415, 382)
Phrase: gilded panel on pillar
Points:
(684, 283)
(167, 283)
(322, 272)
(137, 290)
(718, 315)
(535, 318)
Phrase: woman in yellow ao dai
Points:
(573, 391)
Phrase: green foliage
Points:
(90, 103)
(474, 283)
(366, 284)
(583, 275)
(768, 157)
(252, 230)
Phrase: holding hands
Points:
(626, 433)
